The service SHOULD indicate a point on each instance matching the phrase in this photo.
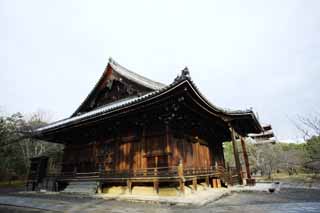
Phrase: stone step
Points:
(84, 187)
(85, 183)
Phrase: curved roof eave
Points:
(229, 115)
(113, 108)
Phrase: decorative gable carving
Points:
(114, 90)
(116, 83)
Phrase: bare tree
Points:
(31, 147)
(309, 125)
(291, 160)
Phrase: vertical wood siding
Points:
(139, 149)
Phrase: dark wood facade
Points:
(141, 148)
(130, 127)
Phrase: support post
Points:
(168, 144)
(218, 183)
(214, 183)
(156, 186)
(181, 177)
(207, 181)
(194, 184)
(181, 185)
(245, 157)
(249, 180)
(236, 155)
(129, 186)
(230, 176)
(144, 159)
(99, 187)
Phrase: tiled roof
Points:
(103, 109)
(135, 77)
(131, 101)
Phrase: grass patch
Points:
(301, 177)
(12, 184)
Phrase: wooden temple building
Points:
(133, 130)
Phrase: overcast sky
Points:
(241, 54)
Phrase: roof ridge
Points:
(135, 76)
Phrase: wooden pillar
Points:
(245, 157)
(236, 155)
(181, 177)
(144, 150)
(168, 144)
(180, 169)
(156, 166)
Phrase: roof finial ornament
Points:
(112, 61)
(185, 74)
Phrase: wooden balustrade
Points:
(157, 172)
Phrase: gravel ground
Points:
(287, 200)
(283, 196)
(14, 209)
